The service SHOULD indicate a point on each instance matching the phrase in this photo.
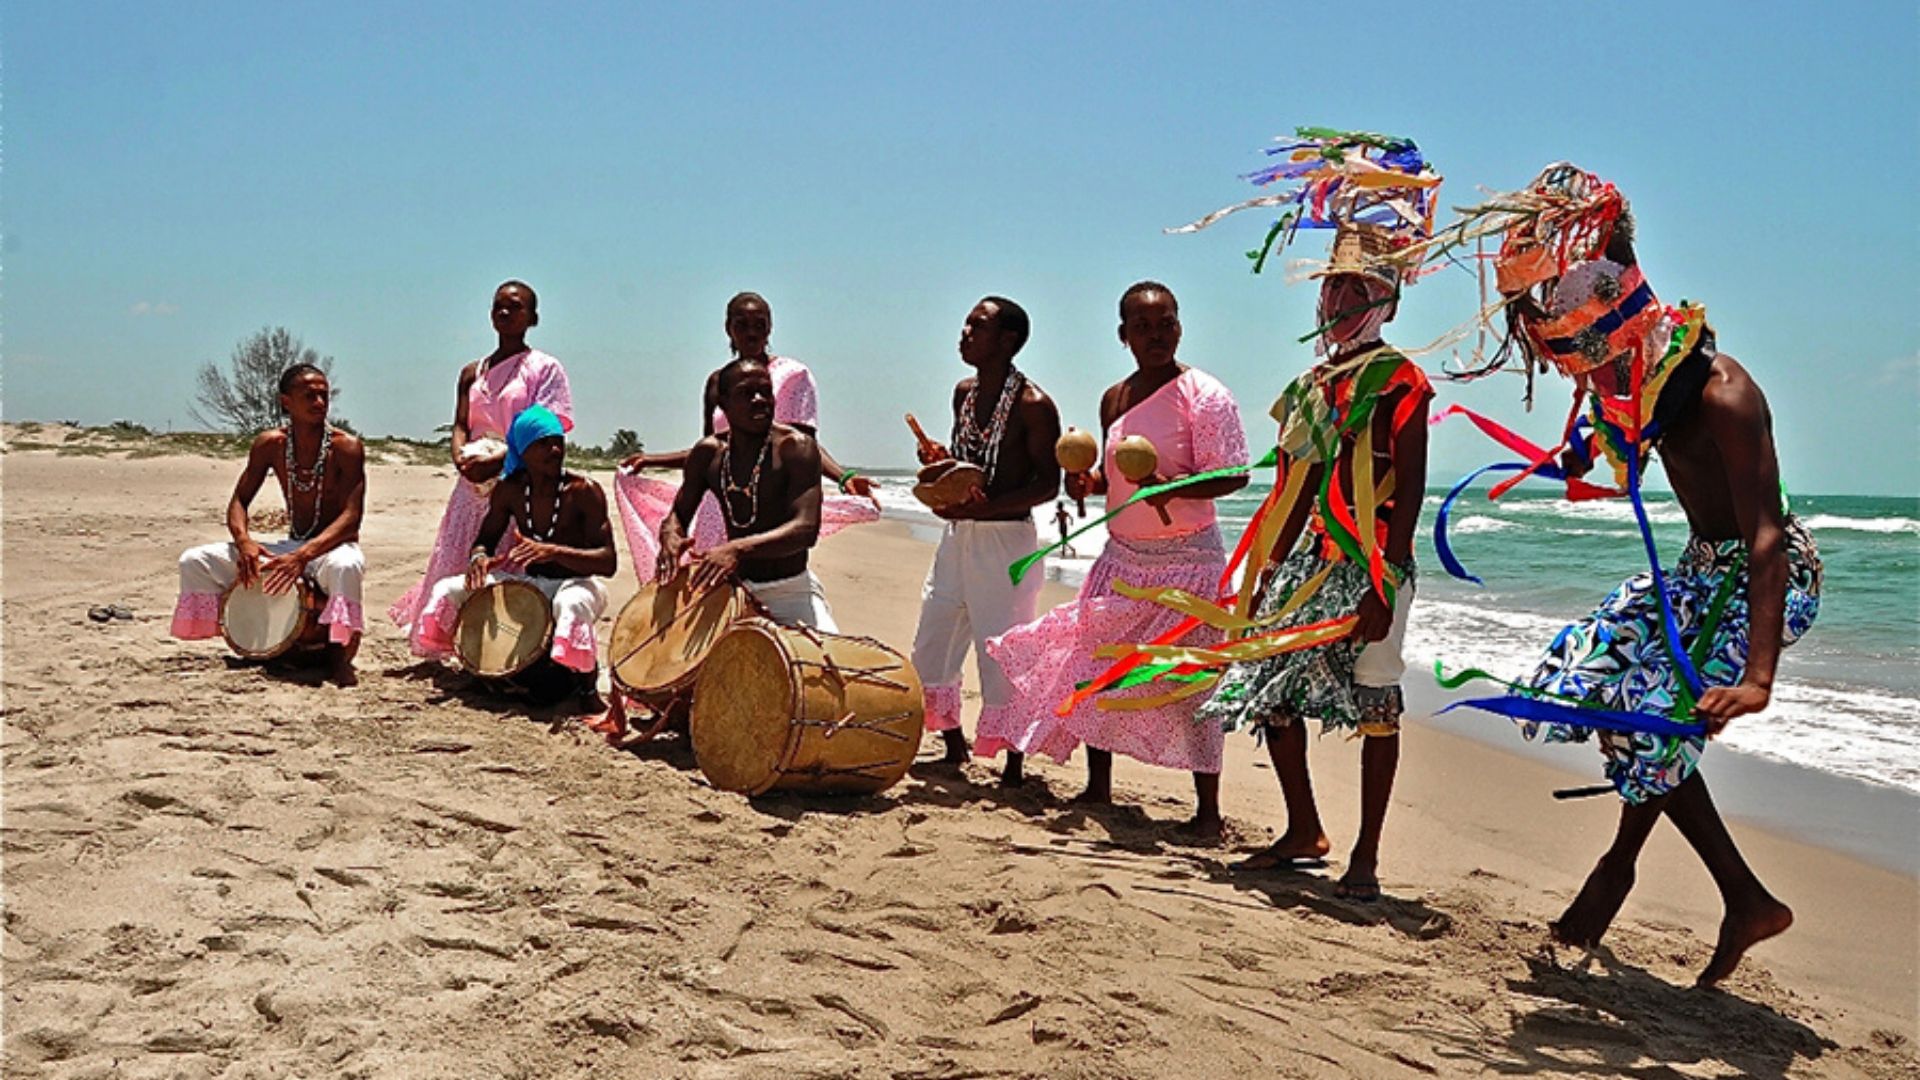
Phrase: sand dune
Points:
(212, 870)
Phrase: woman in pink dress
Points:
(1172, 540)
(492, 392)
(645, 500)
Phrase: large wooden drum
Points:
(503, 629)
(262, 627)
(664, 633)
(790, 709)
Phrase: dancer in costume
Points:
(565, 545)
(1353, 431)
(1670, 657)
(323, 479)
(767, 475)
(645, 501)
(1171, 541)
(1006, 425)
(492, 391)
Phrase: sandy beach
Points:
(213, 870)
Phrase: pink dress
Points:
(1194, 424)
(497, 395)
(645, 501)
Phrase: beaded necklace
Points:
(297, 483)
(728, 489)
(982, 447)
(553, 523)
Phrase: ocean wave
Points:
(1472, 525)
(1612, 510)
(1818, 522)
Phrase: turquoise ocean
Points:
(1847, 700)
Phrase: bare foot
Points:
(1740, 931)
(341, 669)
(1013, 774)
(1587, 918)
(1289, 850)
(588, 703)
(957, 750)
(1361, 881)
(1094, 796)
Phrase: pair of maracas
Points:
(1134, 457)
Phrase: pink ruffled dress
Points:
(497, 395)
(1194, 424)
(645, 500)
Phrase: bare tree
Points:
(246, 399)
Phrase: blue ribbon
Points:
(1441, 546)
(1552, 712)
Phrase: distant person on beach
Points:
(564, 545)
(1063, 522)
(1005, 424)
(1747, 584)
(767, 477)
(491, 392)
(1172, 541)
(1351, 683)
(645, 501)
(323, 480)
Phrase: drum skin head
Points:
(503, 629)
(743, 706)
(661, 635)
(261, 627)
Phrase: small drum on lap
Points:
(789, 709)
(664, 633)
(503, 629)
(260, 626)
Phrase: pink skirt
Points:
(645, 501)
(1048, 658)
(452, 546)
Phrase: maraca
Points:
(1077, 452)
(1137, 460)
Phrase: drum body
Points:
(262, 627)
(503, 629)
(663, 634)
(789, 709)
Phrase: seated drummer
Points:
(767, 479)
(565, 543)
(323, 479)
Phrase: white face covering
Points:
(1376, 317)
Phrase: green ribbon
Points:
(1019, 569)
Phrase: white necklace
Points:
(314, 481)
(553, 523)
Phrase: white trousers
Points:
(970, 597)
(211, 568)
(799, 600)
(576, 601)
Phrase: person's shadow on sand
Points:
(1625, 1021)
(1302, 889)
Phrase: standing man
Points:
(1671, 657)
(1006, 425)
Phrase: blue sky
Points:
(173, 181)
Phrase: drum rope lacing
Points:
(728, 489)
(314, 481)
(982, 448)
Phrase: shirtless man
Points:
(1593, 317)
(767, 478)
(323, 479)
(565, 543)
(1006, 425)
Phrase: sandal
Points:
(121, 612)
(100, 613)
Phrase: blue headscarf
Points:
(534, 423)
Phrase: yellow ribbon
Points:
(1123, 704)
